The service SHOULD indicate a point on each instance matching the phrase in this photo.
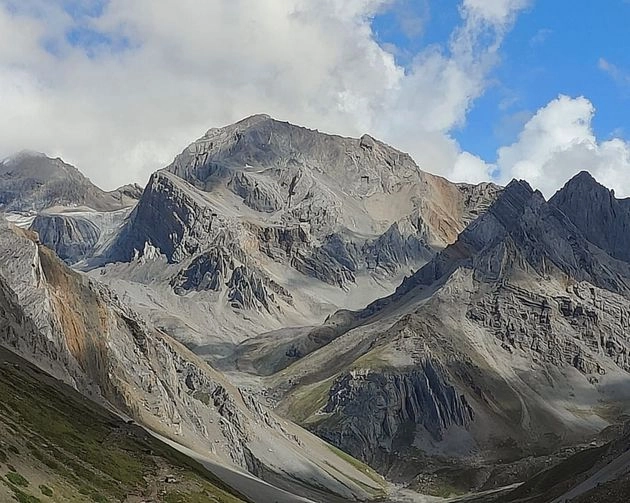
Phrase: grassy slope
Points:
(55, 445)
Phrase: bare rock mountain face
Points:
(284, 222)
(30, 181)
(79, 331)
(71, 215)
(604, 220)
(507, 349)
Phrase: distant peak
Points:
(258, 116)
(518, 186)
(512, 201)
(23, 154)
(584, 176)
(254, 119)
(584, 179)
(581, 183)
(246, 123)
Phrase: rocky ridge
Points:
(31, 182)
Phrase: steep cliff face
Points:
(603, 219)
(72, 216)
(73, 239)
(381, 410)
(77, 235)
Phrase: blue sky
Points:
(571, 47)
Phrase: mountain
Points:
(71, 215)
(262, 225)
(508, 348)
(80, 332)
(604, 219)
(31, 181)
(453, 337)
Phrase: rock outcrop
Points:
(72, 238)
(382, 409)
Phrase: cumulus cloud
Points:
(119, 87)
(558, 142)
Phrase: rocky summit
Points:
(286, 315)
(269, 225)
(71, 215)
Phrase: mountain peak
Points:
(512, 201)
(21, 156)
(603, 219)
(38, 166)
(252, 120)
(33, 181)
(517, 185)
(583, 175)
(582, 181)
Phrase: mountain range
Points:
(310, 317)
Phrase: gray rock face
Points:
(30, 181)
(522, 230)
(329, 181)
(170, 218)
(360, 165)
(130, 192)
(382, 410)
(603, 219)
(522, 311)
(394, 248)
(72, 216)
(303, 213)
(524, 321)
(248, 290)
(72, 238)
(208, 271)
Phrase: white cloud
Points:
(558, 142)
(497, 12)
(191, 65)
(621, 77)
(471, 169)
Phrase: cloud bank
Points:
(118, 87)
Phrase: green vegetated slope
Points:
(55, 445)
(594, 475)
